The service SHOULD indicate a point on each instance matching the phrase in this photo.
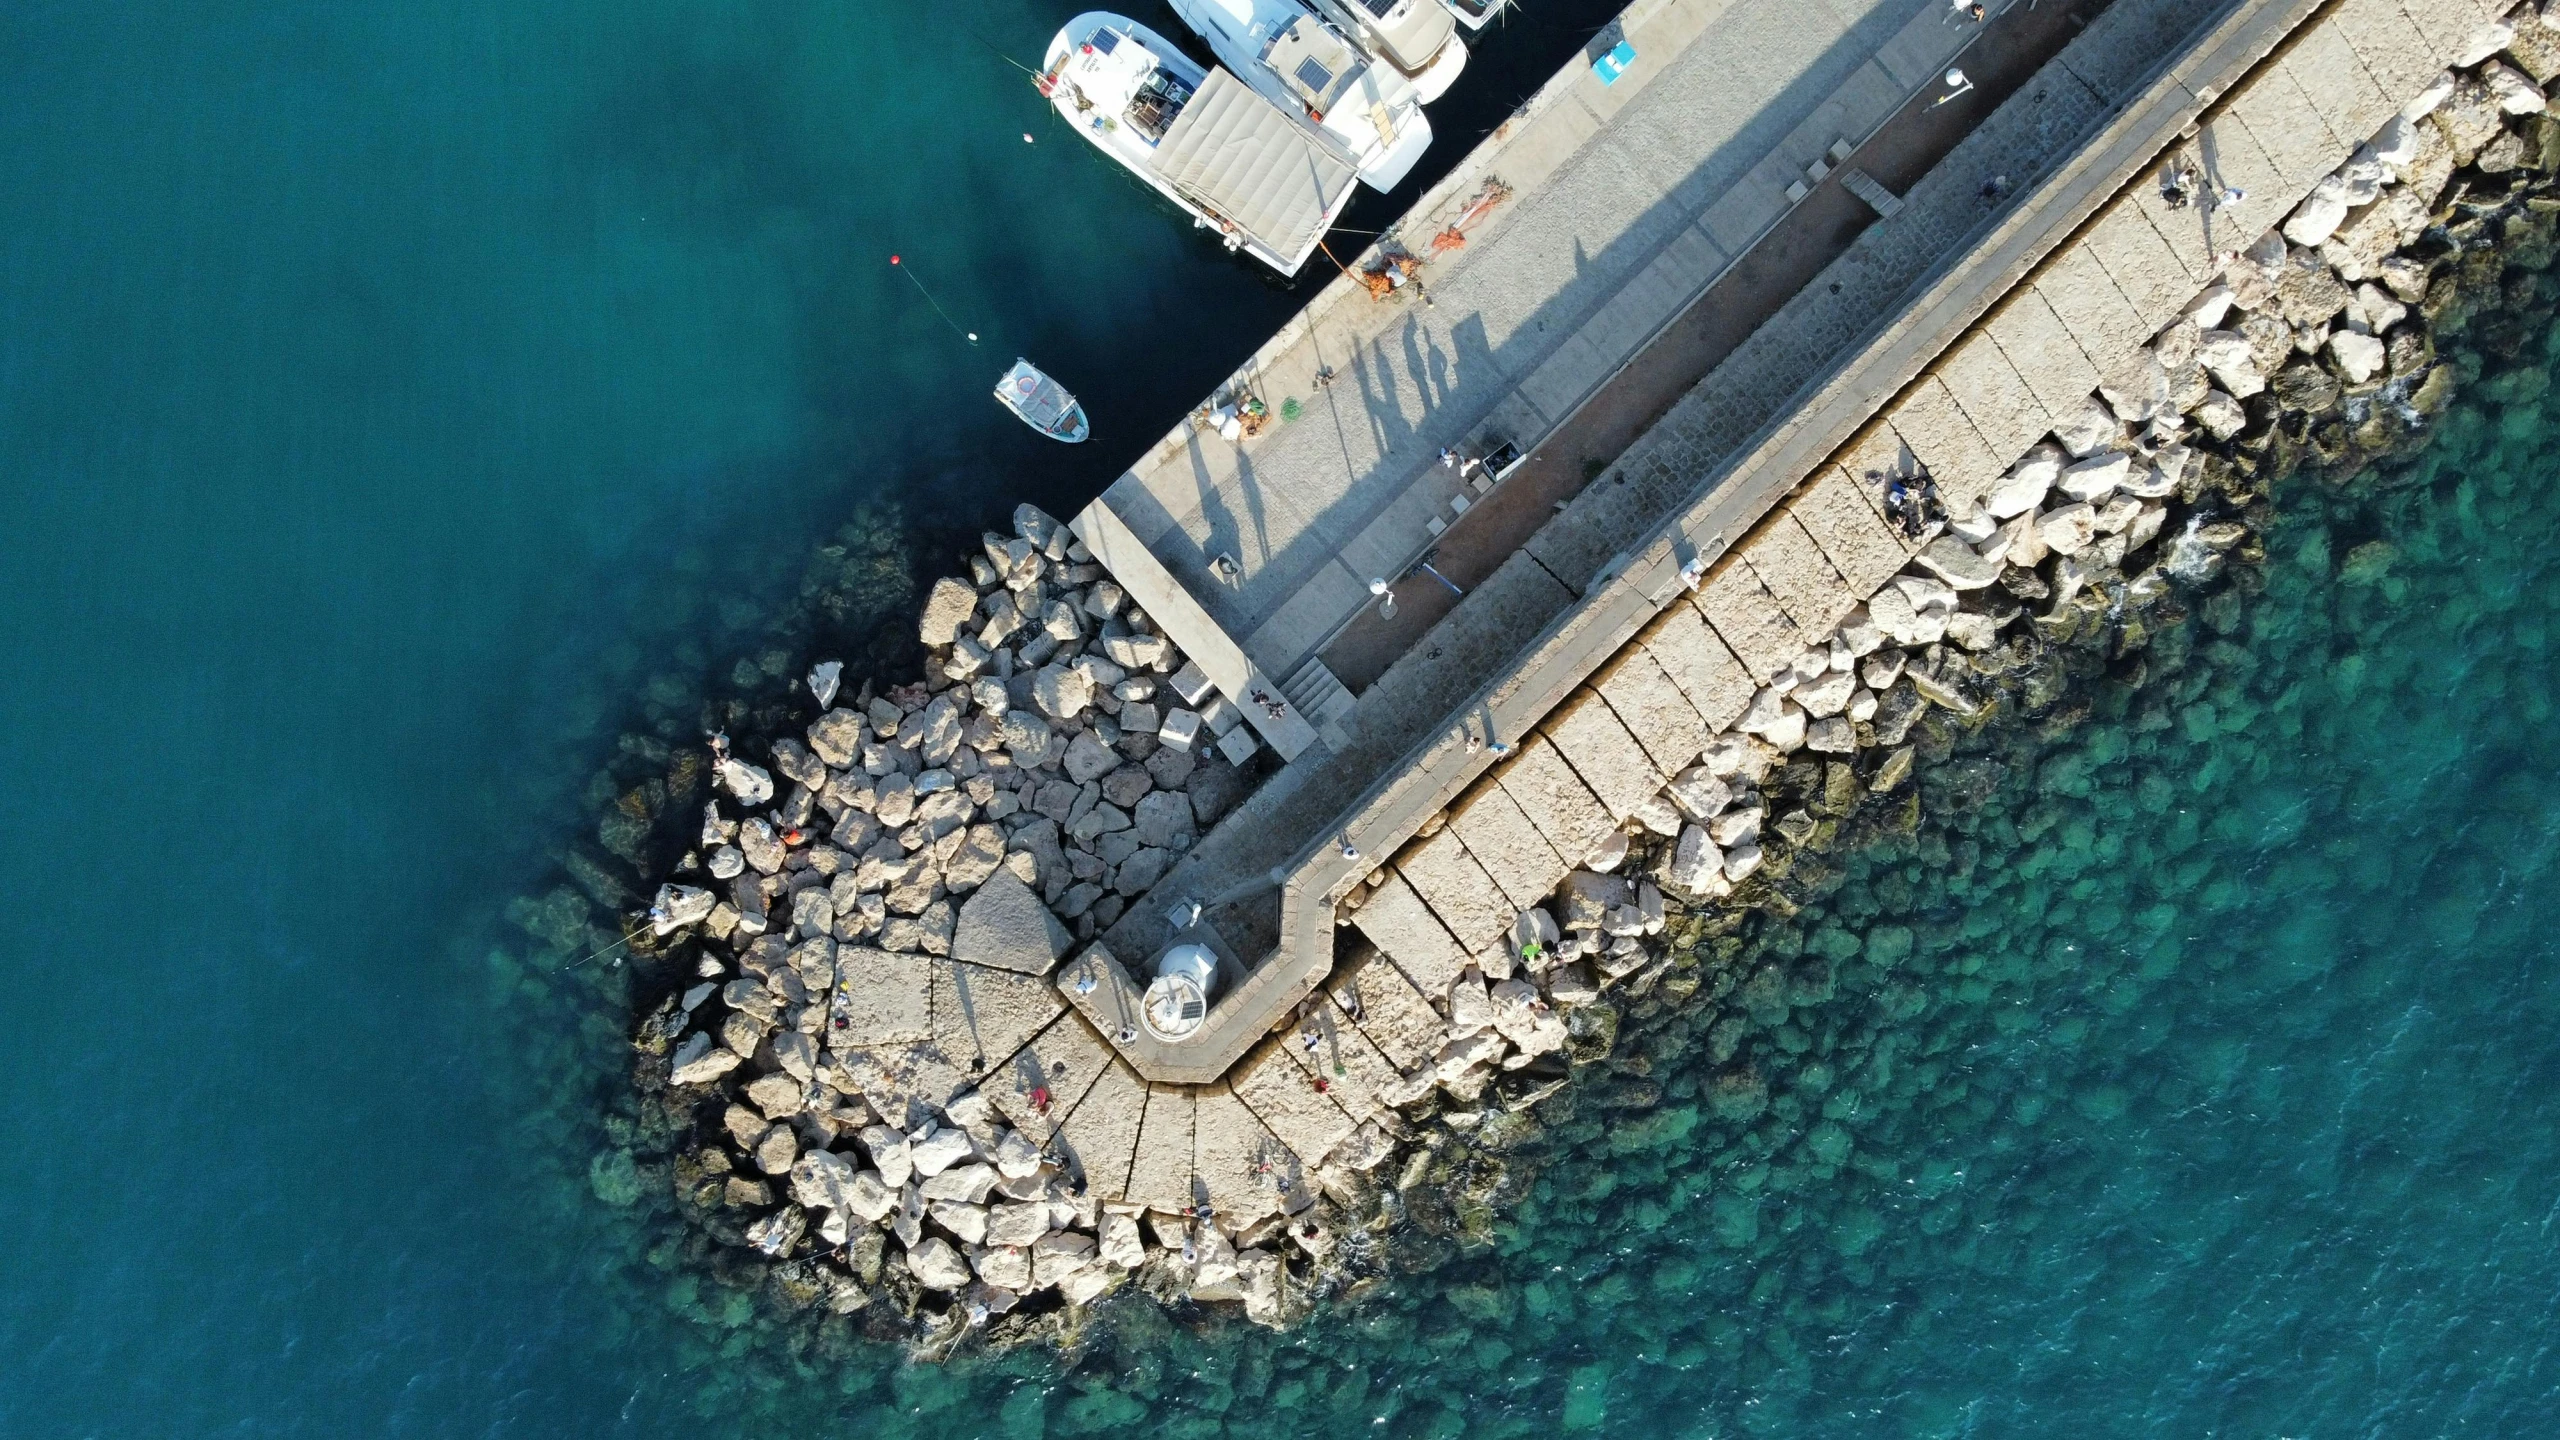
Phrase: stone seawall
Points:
(2229, 303)
(887, 1095)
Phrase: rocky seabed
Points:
(1059, 742)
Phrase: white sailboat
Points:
(1203, 139)
(1418, 37)
(1306, 66)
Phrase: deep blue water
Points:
(387, 394)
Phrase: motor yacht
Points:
(1231, 158)
(1364, 108)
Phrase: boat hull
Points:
(1472, 17)
(1237, 32)
(1442, 72)
(1136, 154)
(1043, 404)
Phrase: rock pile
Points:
(2314, 342)
(1058, 757)
(1061, 749)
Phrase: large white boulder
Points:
(750, 784)
(2070, 529)
(1959, 564)
(2515, 94)
(2484, 42)
(2026, 484)
(2096, 478)
(2320, 214)
(937, 1266)
(2359, 357)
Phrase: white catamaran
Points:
(1418, 37)
(1309, 68)
(1204, 139)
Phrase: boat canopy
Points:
(1244, 160)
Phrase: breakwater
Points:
(1775, 801)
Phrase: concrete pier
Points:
(1377, 909)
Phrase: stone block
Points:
(2234, 157)
(1238, 745)
(1555, 800)
(1099, 1138)
(881, 998)
(2149, 274)
(2277, 111)
(1388, 1009)
(2394, 51)
(1004, 925)
(2040, 346)
(1993, 395)
(2347, 95)
(1519, 859)
(1191, 683)
(1281, 1092)
(2443, 25)
(1064, 1059)
(1110, 1002)
(2190, 234)
(1649, 703)
(982, 1015)
(1794, 569)
(1237, 1163)
(1179, 729)
(1407, 933)
(1698, 661)
(1748, 618)
(1470, 905)
(1930, 422)
(2084, 296)
(1863, 548)
(905, 1083)
(1876, 457)
(1160, 1170)
(1602, 752)
(1355, 1073)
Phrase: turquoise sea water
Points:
(387, 394)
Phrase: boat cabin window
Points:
(1103, 42)
(1379, 8)
(1314, 76)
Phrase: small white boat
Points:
(1202, 138)
(1418, 37)
(1369, 111)
(1474, 13)
(1043, 403)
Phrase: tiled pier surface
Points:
(1952, 334)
